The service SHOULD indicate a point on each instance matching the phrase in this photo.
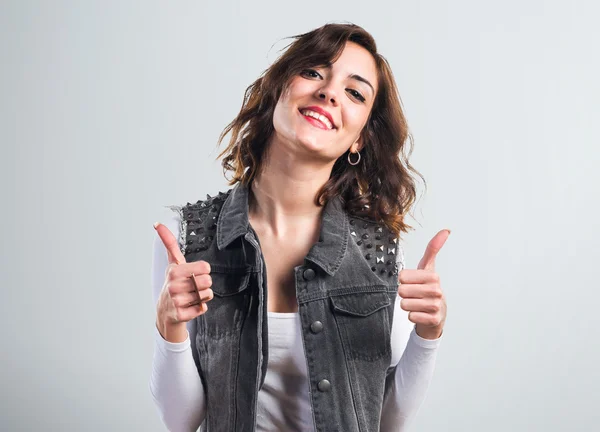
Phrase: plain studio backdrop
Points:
(111, 110)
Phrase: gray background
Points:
(112, 109)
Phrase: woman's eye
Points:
(357, 95)
(311, 73)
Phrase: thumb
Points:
(170, 242)
(433, 247)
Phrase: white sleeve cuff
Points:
(422, 342)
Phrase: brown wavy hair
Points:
(380, 187)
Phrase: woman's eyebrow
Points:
(361, 79)
(357, 78)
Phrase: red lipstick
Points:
(322, 112)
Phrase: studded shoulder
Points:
(378, 245)
(199, 222)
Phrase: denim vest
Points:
(345, 290)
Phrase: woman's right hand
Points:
(180, 299)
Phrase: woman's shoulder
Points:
(184, 219)
(187, 210)
(375, 237)
(372, 228)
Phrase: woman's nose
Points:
(328, 95)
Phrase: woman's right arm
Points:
(175, 383)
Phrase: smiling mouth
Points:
(317, 119)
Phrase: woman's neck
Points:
(283, 194)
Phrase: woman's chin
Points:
(307, 142)
(312, 144)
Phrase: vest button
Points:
(324, 385)
(316, 327)
(309, 274)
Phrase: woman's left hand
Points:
(421, 293)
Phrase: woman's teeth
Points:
(319, 117)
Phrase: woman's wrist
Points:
(429, 332)
(174, 333)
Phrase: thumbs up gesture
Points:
(421, 293)
(185, 291)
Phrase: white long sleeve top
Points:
(283, 400)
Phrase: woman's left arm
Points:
(406, 386)
(419, 318)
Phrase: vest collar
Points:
(327, 254)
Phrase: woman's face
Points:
(324, 110)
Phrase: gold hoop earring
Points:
(357, 161)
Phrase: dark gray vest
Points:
(345, 288)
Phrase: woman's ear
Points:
(357, 146)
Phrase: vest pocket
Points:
(228, 283)
(363, 323)
(227, 310)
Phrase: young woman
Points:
(283, 303)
